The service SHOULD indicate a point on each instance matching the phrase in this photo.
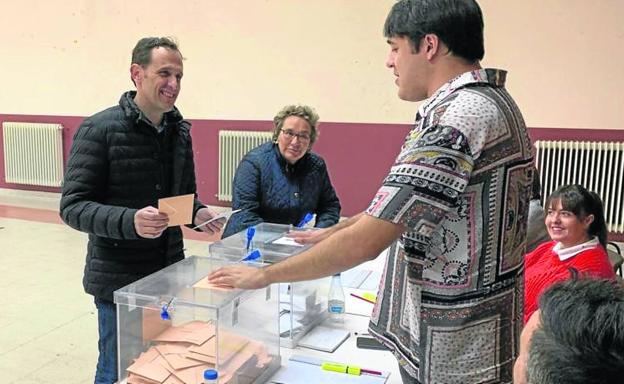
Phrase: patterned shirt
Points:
(450, 299)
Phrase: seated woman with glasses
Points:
(282, 181)
(576, 225)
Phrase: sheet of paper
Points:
(354, 277)
(371, 283)
(295, 372)
(285, 240)
(324, 338)
(179, 209)
(223, 215)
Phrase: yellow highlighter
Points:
(341, 368)
(369, 296)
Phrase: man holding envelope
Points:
(125, 161)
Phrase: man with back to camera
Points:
(122, 161)
(456, 199)
(575, 336)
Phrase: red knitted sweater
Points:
(543, 268)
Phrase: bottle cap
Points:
(210, 374)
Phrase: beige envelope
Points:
(179, 209)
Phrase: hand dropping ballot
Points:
(223, 215)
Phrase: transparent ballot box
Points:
(270, 239)
(303, 304)
(173, 325)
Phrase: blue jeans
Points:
(106, 371)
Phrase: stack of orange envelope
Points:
(181, 354)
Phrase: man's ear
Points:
(431, 45)
(136, 73)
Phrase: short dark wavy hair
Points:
(581, 336)
(142, 52)
(457, 23)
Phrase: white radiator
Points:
(33, 153)
(233, 145)
(598, 166)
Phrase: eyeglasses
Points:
(290, 135)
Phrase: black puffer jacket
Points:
(119, 164)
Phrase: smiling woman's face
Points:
(565, 227)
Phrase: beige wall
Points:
(247, 58)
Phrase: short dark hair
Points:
(578, 200)
(581, 335)
(457, 23)
(142, 52)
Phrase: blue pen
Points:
(306, 219)
(251, 231)
(254, 255)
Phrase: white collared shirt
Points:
(567, 253)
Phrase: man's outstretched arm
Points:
(361, 241)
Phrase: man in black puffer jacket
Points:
(122, 161)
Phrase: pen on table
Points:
(370, 371)
(306, 219)
(362, 298)
(251, 232)
(349, 369)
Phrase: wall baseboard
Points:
(30, 199)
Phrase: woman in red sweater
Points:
(575, 222)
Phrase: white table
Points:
(356, 321)
(348, 353)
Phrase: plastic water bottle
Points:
(211, 376)
(336, 300)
